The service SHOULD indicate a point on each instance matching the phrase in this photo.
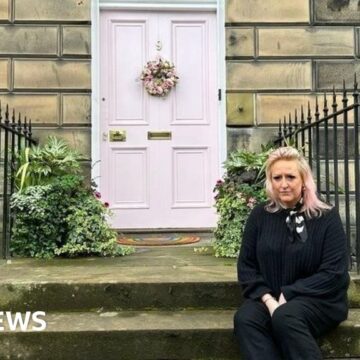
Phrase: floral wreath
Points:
(159, 77)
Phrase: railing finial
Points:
(7, 115)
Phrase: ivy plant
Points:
(241, 188)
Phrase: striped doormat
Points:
(157, 239)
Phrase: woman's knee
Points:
(248, 316)
(285, 318)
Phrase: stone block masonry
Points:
(45, 67)
(280, 55)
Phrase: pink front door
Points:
(164, 183)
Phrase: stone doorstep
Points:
(124, 296)
(188, 334)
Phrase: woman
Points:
(292, 266)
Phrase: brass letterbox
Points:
(159, 135)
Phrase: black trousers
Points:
(289, 334)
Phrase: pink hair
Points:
(312, 205)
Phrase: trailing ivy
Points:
(54, 211)
(62, 218)
(241, 188)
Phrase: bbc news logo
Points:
(14, 321)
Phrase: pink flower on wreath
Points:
(97, 195)
(106, 204)
(159, 77)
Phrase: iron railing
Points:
(331, 145)
(15, 135)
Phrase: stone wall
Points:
(281, 54)
(45, 66)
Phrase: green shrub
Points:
(40, 165)
(62, 218)
(241, 188)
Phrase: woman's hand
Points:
(282, 299)
(272, 305)
(270, 302)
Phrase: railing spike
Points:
(7, 114)
(355, 82)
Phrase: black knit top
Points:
(317, 269)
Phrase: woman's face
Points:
(286, 182)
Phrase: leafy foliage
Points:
(40, 165)
(55, 212)
(62, 218)
(241, 188)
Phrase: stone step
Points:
(152, 278)
(58, 296)
(150, 335)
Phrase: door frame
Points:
(155, 5)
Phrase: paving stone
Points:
(335, 11)
(29, 40)
(309, 41)
(240, 42)
(258, 11)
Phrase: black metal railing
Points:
(15, 135)
(331, 145)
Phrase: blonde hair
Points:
(312, 205)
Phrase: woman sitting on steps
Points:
(292, 266)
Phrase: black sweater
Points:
(317, 269)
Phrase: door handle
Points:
(117, 135)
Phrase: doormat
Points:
(157, 239)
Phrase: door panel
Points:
(189, 41)
(190, 179)
(159, 183)
(132, 190)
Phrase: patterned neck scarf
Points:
(295, 222)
